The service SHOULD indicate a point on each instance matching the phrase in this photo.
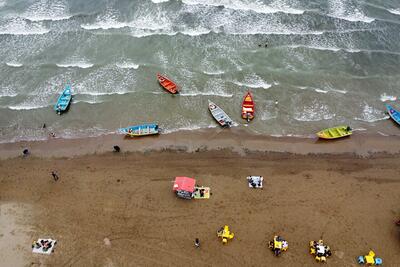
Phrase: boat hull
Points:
(393, 113)
(248, 107)
(140, 130)
(167, 84)
(219, 115)
(335, 132)
(64, 100)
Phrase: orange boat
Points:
(248, 107)
(167, 84)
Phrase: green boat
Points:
(335, 132)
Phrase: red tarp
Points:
(184, 184)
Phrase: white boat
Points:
(219, 115)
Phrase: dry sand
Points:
(119, 210)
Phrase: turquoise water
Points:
(326, 62)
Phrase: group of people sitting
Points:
(200, 190)
(278, 245)
(255, 181)
(320, 250)
(44, 244)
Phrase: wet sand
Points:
(237, 140)
(348, 195)
(15, 231)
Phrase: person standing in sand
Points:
(55, 176)
(197, 243)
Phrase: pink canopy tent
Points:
(184, 186)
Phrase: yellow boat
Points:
(335, 132)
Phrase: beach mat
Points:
(197, 192)
(255, 181)
(37, 246)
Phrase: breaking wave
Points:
(253, 81)
(371, 114)
(394, 11)
(255, 6)
(127, 65)
(82, 65)
(14, 64)
(18, 26)
(343, 9)
(45, 10)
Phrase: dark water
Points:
(326, 62)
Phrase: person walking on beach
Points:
(117, 149)
(197, 243)
(25, 152)
(55, 176)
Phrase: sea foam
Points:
(127, 65)
(254, 6)
(44, 10)
(14, 64)
(82, 65)
(394, 11)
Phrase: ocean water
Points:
(327, 62)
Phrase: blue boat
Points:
(394, 114)
(64, 100)
(140, 130)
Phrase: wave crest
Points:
(82, 65)
(255, 6)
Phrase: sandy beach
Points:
(118, 209)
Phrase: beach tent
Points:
(184, 187)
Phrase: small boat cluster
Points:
(222, 118)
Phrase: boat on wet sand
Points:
(219, 115)
(335, 132)
(394, 114)
(140, 130)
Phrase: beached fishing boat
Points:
(140, 130)
(167, 84)
(219, 115)
(248, 107)
(63, 100)
(394, 114)
(335, 132)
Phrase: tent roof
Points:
(184, 183)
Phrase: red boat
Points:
(248, 107)
(167, 84)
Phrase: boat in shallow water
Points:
(167, 84)
(394, 114)
(219, 115)
(63, 100)
(248, 107)
(335, 132)
(140, 130)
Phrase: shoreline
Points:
(237, 140)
